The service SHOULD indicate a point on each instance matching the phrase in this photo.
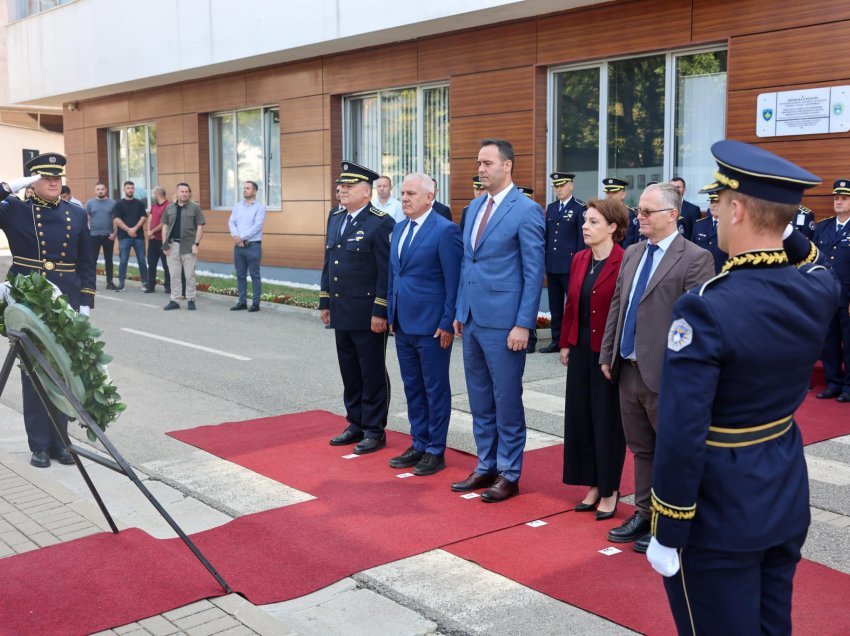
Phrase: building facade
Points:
(637, 89)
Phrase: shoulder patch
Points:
(680, 335)
(710, 281)
(340, 211)
(376, 211)
(580, 202)
(804, 209)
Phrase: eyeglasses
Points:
(647, 213)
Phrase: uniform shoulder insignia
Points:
(580, 202)
(376, 211)
(808, 269)
(710, 281)
(681, 334)
(804, 209)
(340, 211)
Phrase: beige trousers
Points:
(178, 262)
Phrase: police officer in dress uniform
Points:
(477, 191)
(705, 230)
(615, 188)
(353, 298)
(832, 236)
(51, 236)
(730, 499)
(804, 222)
(564, 218)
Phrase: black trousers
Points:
(734, 592)
(366, 385)
(107, 245)
(594, 443)
(557, 286)
(41, 435)
(155, 255)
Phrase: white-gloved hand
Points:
(85, 310)
(788, 229)
(23, 182)
(5, 295)
(663, 560)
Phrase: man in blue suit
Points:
(498, 297)
(832, 236)
(425, 253)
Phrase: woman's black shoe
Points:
(584, 507)
(602, 516)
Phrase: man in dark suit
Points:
(616, 189)
(425, 253)
(564, 218)
(804, 222)
(477, 191)
(705, 231)
(353, 298)
(61, 250)
(730, 493)
(653, 275)
(832, 236)
(498, 298)
(689, 214)
(443, 210)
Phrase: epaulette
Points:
(711, 280)
(804, 209)
(580, 202)
(340, 211)
(376, 211)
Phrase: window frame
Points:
(264, 109)
(670, 103)
(112, 177)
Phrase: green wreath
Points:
(77, 338)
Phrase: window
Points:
(245, 146)
(641, 119)
(132, 157)
(396, 132)
(26, 8)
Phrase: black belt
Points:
(45, 265)
(252, 242)
(735, 437)
(630, 362)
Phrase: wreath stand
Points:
(23, 348)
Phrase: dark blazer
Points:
(683, 266)
(563, 234)
(422, 290)
(600, 301)
(688, 215)
(443, 210)
(705, 235)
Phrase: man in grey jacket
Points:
(182, 230)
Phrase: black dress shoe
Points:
(370, 445)
(828, 394)
(254, 308)
(501, 490)
(429, 464)
(642, 544)
(552, 347)
(844, 397)
(63, 456)
(604, 516)
(634, 528)
(345, 438)
(190, 305)
(475, 481)
(40, 459)
(171, 305)
(586, 507)
(239, 307)
(148, 290)
(408, 458)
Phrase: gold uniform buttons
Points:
(69, 227)
(61, 253)
(39, 225)
(44, 242)
(64, 245)
(41, 233)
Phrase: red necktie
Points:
(484, 220)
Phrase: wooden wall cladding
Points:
(301, 114)
(214, 94)
(719, 19)
(270, 85)
(303, 149)
(492, 92)
(152, 104)
(612, 30)
(112, 111)
(490, 48)
(467, 132)
(170, 130)
(789, 58)
(371, 69)
(75, 142)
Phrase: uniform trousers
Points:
(594, 445)
(718, 592)
(557, 286)
(836, 350)
(366, 385)
(494, 384)
(639, 411)
(41, 435)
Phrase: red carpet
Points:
(102, 581)
(562, 560)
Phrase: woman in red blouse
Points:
(594, 445)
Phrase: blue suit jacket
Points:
(422, 290)
(501, 280)
(705, 235)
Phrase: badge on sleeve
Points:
(680, 336)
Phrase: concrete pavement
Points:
(292, 367)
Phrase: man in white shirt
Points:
(385, 202)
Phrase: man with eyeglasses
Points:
(653, 275)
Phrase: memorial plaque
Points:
(804, 112)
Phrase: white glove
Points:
(85, 310)
(788, 229)
(23, 182)
(5, 296)
(663, 560)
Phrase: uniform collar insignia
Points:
(756, 259)
(49, 204)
